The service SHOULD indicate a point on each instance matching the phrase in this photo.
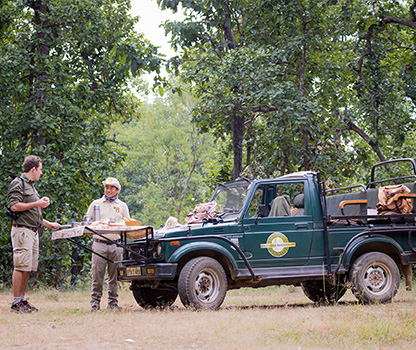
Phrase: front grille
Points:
(145, 251)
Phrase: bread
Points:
(132, 222)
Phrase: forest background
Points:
(257, 89)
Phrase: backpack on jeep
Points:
(392, 200)
(202, 211)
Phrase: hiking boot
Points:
(21, 307)
(114, 307)
(95, 307)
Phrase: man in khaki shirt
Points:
(25, 200)
(110, 208)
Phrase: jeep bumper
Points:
(147, 272)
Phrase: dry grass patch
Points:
(265, 318)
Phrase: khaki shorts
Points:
(25, 244)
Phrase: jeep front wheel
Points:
(375, 278)
(202, 284)
(148, 297)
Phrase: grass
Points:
(264, 318)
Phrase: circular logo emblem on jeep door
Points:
(277, 244)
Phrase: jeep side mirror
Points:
(262, 210)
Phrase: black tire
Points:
(202, 284)
(375, 278)
(149, 298)
(323, 292)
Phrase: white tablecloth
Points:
(132, 232)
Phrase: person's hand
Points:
(55, 225)
(44, 202)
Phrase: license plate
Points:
(133, 271)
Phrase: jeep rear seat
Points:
(348, 204)
(412, 188)
(360, 202)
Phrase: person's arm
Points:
(52, 225)
(126, 212)
(21, 206)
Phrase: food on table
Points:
(117, 223)
(132, 222)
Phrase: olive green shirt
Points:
(32, 217)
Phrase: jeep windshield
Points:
(230, 198)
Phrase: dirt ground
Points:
(265, 318)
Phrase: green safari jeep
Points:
(289, 230)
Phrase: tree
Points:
(64, 73)
(285, 68)
(251, 66)
(218, 30)
(384, 69)
(166, 161)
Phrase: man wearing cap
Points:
(110, 208)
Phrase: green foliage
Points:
(280, 85)
(166, 161)
(312, 92)
(64, 72)
(6, 253)
(58, 267)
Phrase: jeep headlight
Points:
(157, 252)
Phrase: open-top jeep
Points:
(288, 230)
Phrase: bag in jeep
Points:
(391, 202)
(201, 211)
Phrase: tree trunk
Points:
(238, 135)
(304, 93)
(306, 161)
(238, 122)
(373, 144)
(39, 78)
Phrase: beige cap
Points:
(112, 181)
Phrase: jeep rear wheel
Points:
(375, 278)
(202, 284)
(323, 292)
(147, 297)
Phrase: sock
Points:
(17, 300)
